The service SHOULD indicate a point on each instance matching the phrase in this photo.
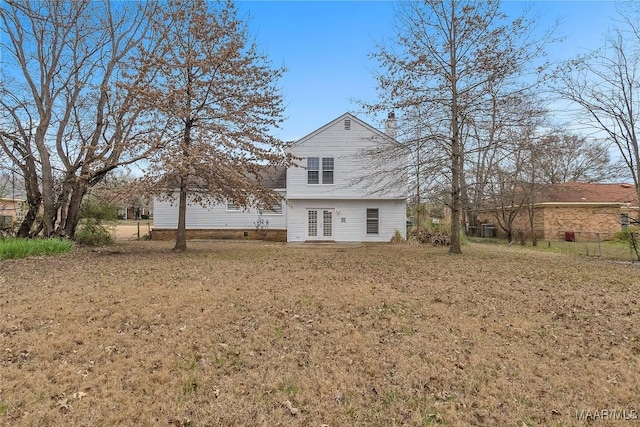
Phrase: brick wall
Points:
(588, 223)
(270, 235)
(552, 222)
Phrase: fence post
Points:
(138, 230)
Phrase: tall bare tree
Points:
(218, 95)
(606, 85)
(444, 58)
(69, 114)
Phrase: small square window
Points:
(624, 221)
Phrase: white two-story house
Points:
(336, 192)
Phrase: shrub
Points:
(625, 236)
(262, 227)
(397, 238)
(93, 233)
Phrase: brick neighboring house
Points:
(11, 210)
(577, 210)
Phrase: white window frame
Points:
(322, 162)
(315, 169)
(375, 220)
(276, 209)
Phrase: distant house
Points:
(134, 210)
(11, 210)
(577, 210)
(330, 195)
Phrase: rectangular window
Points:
(313, 170)
(233, 207)
(373, 221)
(347, 124)
(313, 223)
(624, 221)
(327, 170)
(273, 210)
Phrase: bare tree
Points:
(565, 157)
(495, 134)
(218, 95)
(509, 181)
(445, 56)
(70, 115)
(606, 85)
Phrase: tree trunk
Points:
(455, 201)
(73, 211)
(181, 234)
(456, 155)
(49, 212)
(34, 197)
(534, 238)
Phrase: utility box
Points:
(487, 230)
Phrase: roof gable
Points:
(345, 116)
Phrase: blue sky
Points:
(325, 47)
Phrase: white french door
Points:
(320, 224)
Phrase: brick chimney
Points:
(391, 125)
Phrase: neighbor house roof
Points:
(583, 192)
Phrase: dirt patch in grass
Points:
(269, 334)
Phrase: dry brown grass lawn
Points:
(380, 335)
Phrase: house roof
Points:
(583, 192)
(338, 120)
(274, 177)
(271, 177)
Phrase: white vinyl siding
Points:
(233, 207)
(349, 221)
(212, 217)
(346, 148)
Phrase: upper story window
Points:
(327, 170)
(313, 170)
(347, 124)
